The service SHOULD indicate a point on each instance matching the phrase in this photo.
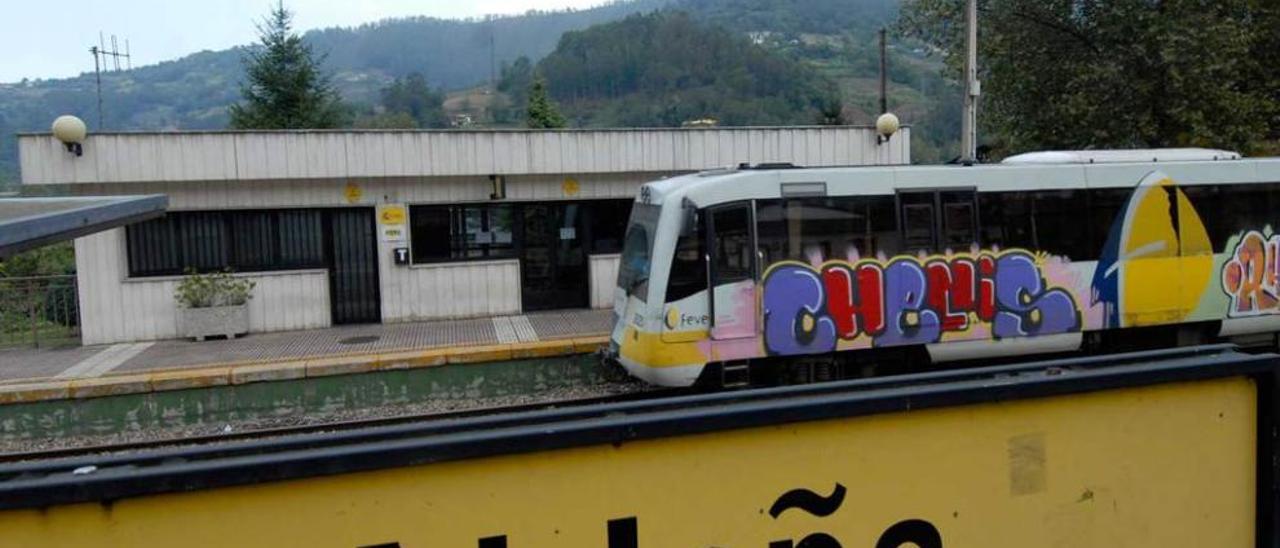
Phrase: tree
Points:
(386, 120)
(542, 113)
(286, 88)
(514, 82)
(1129, 73)
(412, 96)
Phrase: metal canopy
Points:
(27, 223)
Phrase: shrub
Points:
(198, 290)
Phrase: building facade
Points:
(341, 227)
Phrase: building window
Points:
(244, 241)
(462, 232)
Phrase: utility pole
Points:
(969, 121)
(884, 74)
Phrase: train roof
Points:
(1028, 172)
(1122, 156)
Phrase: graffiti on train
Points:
(912, 300)
(1249, 274)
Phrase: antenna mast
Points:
(100, 55)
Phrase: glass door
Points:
(731, 254)
(553, 261)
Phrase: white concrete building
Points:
(367, 226)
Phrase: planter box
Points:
(217, 320)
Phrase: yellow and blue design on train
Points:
(1157, 261)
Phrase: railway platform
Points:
(81, 362)
(296, 373)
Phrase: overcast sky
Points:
(51, 38)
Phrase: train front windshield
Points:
(637, 251)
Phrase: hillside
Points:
(805, 48)
(192, 92)
(672, 69)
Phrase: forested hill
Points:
(834, 37)
(193, 92)
(671, 69)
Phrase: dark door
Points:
(553, 263)
(937, 221)
(353, 271)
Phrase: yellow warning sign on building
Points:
(352, 193)
(391, 214)
(1170, 465)
(570, 187)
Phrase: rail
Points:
(39, 311)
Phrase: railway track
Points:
(323, 427)
(390, 429)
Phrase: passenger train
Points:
(775, 274)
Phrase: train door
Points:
(731, 257)
(934, 221)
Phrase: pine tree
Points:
(286, 87)
(542, 113)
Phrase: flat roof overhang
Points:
(27, 223)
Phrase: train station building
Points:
(342, 227)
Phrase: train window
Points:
(1207, 201)
(1106, 205)
(688, 268)
(1248, 207)
(1060, 224)
(879, 235)
(731, 243)
(814, 230)
(771, 231)
(959, 220)
(918, 222)
(1006, 220)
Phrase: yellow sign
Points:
(1161, 466)
(391, 214)
(352, 193)
(570, 186)
(391, 222)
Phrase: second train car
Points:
(771, 273)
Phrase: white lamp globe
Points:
(887, 124)
(69, 129)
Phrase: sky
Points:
(160, 30)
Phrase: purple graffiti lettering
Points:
(909, 320)
(795, 318)
(1024, 306)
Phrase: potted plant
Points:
(213, 304)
